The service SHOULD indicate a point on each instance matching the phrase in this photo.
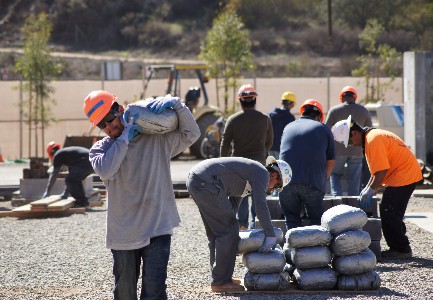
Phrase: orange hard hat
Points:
(246, 91)
(349, 89)
(97, 105)
(313, 102)
(52, 147)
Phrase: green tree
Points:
(227, 51)
(379, 60)
(37, 67)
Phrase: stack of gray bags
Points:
(309, 257)
(353, 260)
(264, 271)
(333, 255)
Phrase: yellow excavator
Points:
(205, 115)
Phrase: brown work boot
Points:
(227, 288)
(236, 281)
(392, 254)
(243, 228)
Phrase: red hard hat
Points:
(313, 102)
(349, 89)
(51, 147)
(246, 91)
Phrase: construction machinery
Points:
(205, 114)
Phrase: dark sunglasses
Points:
(107, 119)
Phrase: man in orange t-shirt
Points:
(392, 165)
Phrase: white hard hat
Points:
(282, 168)
(341, 131)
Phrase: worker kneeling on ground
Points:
(217, 186)
(392, 165)
(79, 167)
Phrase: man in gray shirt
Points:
(352, 156)
(217, 186)
(141, 208)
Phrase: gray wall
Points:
(418, 104)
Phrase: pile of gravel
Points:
(66, 258)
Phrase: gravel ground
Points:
(65, 258)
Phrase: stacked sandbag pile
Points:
(264, 271)
(308, 258)
(352, 259)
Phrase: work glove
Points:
(159, 104)
(129, 128)
(365, 197)
(268, 244)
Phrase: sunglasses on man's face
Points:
(107, 119)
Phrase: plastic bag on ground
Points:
(265, 263)
(350, 242)
(267, 282)
(311, 257)
(251, 240)
(365, 281)
(342, 218)
(316, 279)
(308, 236)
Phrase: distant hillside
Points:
(289, 37)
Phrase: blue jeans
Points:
(353, 170)
(243, 213)
(295, 197)
(126, 270)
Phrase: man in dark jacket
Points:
(77, 161)
(280, 117)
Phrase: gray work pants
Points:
(218, 213)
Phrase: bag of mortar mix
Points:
(151, 123)
(251, 240)
(311, 257)
(287, 253)
(353, 264)
(266, 282)
(308, 236)
(350, 242)
(361, 282)
(316, 279)
(265, 263)
(342, 218)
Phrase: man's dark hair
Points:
(356, 127)
(114, 106)
(311, 111)
(249, 102)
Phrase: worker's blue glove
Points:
(268, 244)
(365, 197)
(129, 128)
(159, 104)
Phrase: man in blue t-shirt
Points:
(308, 146)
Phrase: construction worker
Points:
(352, 156)
(392, 165)
(307, 145)
(141, 208)
(280, 117)
(76, 159)
(217, 186)
(248, 133)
